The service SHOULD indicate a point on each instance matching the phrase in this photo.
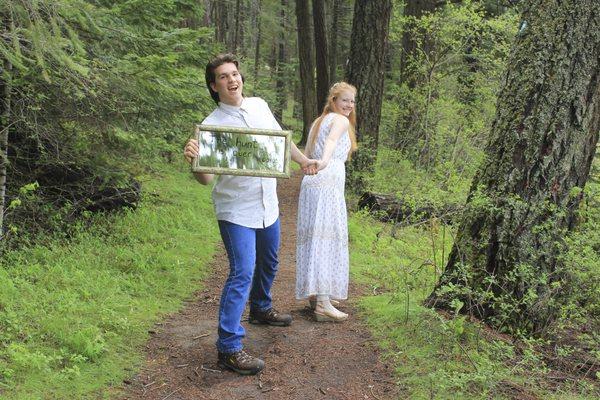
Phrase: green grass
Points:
(434, 356)
(74, 315)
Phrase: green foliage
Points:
(74, 314)
(442, 356)
(397, 175)
(519, 296)
(579, 288)
(99, 90)
(439, 117)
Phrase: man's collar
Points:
(234, 110)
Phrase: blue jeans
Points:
(253, 264)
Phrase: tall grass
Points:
(439, 356)
(74, 314)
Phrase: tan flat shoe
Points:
(327, 317)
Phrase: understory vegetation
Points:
(449, 355)
(75, 313)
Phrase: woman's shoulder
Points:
(336, 117)
(339, 119)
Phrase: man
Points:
(248, 216)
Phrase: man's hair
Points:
(213, 65)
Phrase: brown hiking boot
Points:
(241, 362)
(270, 317)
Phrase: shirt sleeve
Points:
(211, 119)
(273, 124)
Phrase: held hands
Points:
(190, 151)
(321, 164)
(310, 166)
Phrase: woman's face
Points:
(344, 103)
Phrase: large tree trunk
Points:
(222, 26)
(307, 78)
(208, 13)
(7, 24)
(413, 11)
(4, 127)
(525, 195)
(370, 29)
(334, 32)
(321, 53)
(238, 38)
(257, 46)
(280, 86)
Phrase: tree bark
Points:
(4, 127)
(207, 19)
(525, 195)
(221, 22)
(306, 60)
(413, 10)
(321, 53)
(333, 36)
(7, 24)
(257, 47)
(280, 85)
(238, 26)
(365, 70)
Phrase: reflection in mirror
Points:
(239, 151)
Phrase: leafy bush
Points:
(98, 93)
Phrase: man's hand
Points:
(310, 167)
(190, 151)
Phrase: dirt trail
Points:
(307, 360)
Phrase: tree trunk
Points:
(365, 70)
(333, 36)
(207, 19)
(306, 60)
(387, 207)
(4, 127)
(257, 47)
(413, 10)
(280, 85)
(221, 22)
(525, 195)
(238, 26)
(321, 53)
(5, 110)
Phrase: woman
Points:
(322, 244)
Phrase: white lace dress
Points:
(322, 240)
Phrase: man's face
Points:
(228, 83)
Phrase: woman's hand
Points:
(321, 164)
(310, 166)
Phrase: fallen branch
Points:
(171, 394)
(203, 368)
(389, 208)
(201, 336)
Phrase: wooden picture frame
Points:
(226, 150)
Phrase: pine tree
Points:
(505, 264)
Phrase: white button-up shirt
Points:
(245, 200)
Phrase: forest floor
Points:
(307, 360)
